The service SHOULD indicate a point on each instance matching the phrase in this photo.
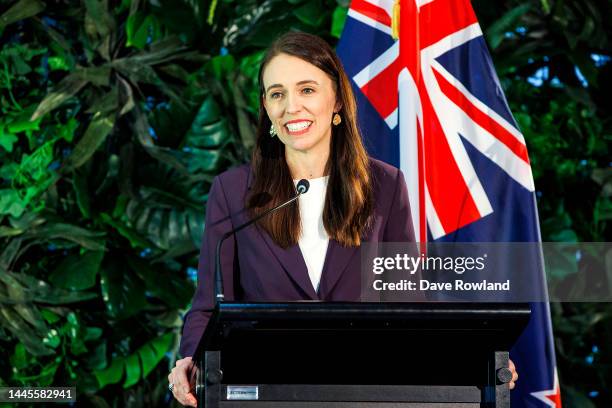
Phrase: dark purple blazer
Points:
(255, 269)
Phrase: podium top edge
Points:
(501, 321)
(499, 309)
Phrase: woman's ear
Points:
(337, 107)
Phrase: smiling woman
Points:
(307, 101)
(301, 108)
(310, 251)
(307, 128)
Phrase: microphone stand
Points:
(302, 187)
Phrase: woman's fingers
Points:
(191, 401)
(182, 388)
(512, 368)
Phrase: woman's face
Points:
(300, 101)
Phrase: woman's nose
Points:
(294, 103)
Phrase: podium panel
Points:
(358, 354)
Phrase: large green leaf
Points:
(496, 32)
(208, 129)
(20, 10)
(77, 272)
(163, 51)
(21, 330)
(97, 358)
(102, 20)
(141, 127)
(33, 172)
(222, 65)
(91, 240)
(60, 42)
(310, 13)
(36, 290)
(65, 90)
(136, 240)
(123, 291)
(127, 96)
(11, 203)
(142, 29)
(169, 286)
(9, 232)
(338, 21)
(203, 161)
(162, 224)
(42, 378)
(22, 122)
(100, 127)
(66, 131)
(111, 374)
(209, 133)
(106, 104)
(28, 220)
(7, 171)
(140, 71)
(7, 140)
(82, 194)
(132, 370)
(137, 365)
(154, 351)
(18, 359)
(28, 312)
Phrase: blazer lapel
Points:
(293, 262)
(291, 259)
(336, 261)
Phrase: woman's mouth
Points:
(298, 128)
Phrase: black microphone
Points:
(302, 187)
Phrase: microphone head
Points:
(302, 186)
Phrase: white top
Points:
(314, 239)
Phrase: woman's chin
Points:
(300, 145)
(304, 143)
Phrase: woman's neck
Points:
(308, 164)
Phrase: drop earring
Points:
(272, 131)
(337, 119)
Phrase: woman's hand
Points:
(179, 376)
(514, 374)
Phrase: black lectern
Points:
(358, 355)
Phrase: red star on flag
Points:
(551, 397)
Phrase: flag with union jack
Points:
(430, 102)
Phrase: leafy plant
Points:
(116, 115)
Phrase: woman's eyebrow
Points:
(306, 81)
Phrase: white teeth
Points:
(297, 126)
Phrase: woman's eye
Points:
(308, 91)
(276, 95)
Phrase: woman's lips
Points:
(298, 132)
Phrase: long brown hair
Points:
(348, 201)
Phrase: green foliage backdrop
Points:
(116, 115)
